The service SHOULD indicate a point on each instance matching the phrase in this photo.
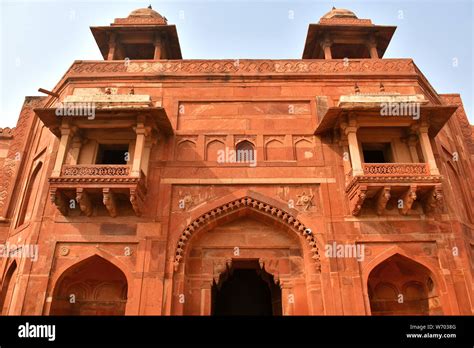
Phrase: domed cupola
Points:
(144, 34)
(341, 34)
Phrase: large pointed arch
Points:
(238, 207)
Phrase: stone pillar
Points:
(157, 44)
(287, 298)
(206, 290)
(372, 46)
(346, 158)
(66, 133)
(411, 142)
(75, 149)
(139, 149)
(111, 54)
(326, 46)
(356, 161)
(427, 150)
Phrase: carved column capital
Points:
(59, 200)
(326, 42)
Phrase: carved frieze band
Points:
(248, 66)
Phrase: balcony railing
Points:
(391, 169)
(95, 170)
(404, 182)
(82, 181)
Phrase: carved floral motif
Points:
(248, 66)
(305, 201)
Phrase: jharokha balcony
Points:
(88, 184)
(388, 158)
(102, 161)
(403, 183)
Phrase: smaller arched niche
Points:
(8, 287)
(214, 151)
(93, 286)
(304, 150)
(401, 286)
(28, 202)
(275, 150)
(186, 151)
(245, 152)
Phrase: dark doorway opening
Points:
(245, 289)
(377, 153)
(112, 154)
(374, 156)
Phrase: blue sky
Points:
(41, 39)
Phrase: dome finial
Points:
(149, 6)
(339, 13)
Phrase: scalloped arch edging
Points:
(246, 202)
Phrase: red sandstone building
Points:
(337, 184)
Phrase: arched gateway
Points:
(247, 256)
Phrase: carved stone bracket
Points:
(59, 200)
(110, 201)
(83, 198)
(271, 266)
(408, 198)
(220, 267)
(137, 201)
(433, 199)
(381, 200)
(357, 198)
